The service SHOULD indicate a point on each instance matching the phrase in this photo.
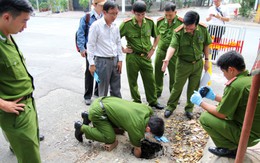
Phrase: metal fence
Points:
(226, 38)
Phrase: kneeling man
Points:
(106, 113)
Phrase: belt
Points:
(192, 62)
(111, 58)
(140, 54)
(27, 96)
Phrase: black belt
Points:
(111, 58)
(27, 96)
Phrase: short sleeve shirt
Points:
(214, 11)
(190, 47)
(138, 38)
(15, 81)
(132, 117)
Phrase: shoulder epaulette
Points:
(203, 25)
(160, 18)
(148, 18)
(180, 19)
(127, 20)
(230, 81)
(178, 28)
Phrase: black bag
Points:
(87, 21)
(149, 149)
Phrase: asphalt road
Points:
(58, 71)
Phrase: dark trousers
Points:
(89, 83)
(217, 32)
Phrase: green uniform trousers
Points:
(185, 70)
(134, 64)
(103, 130)
(158, 74)
(228, 139)
(22, 132)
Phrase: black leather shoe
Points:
(78, 133)
(189, 115)
(86, 121)
(41, 137)
(157, 106)
(167, 113)
(223, 152)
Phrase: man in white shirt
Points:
(217, 16)
(104, 51)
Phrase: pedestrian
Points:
(188, 43)
(217, 17)
(138, 31)
(105, 52)
(108, 112)
(165, 28)
(82, 40)
(228, 115)
(18, 116)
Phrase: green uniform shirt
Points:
(166, 31)
(130, 116)
(190, 47)
(234, 101)
(138, 38)
(15, 81)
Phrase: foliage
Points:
(55, 7)
(33, 2)
(58, 5)
(246, 8)
(179, 3)
(64, 4)
(84, 3)
(44, 6)
(149, 4)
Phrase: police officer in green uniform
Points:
(138, 31)
(107, 112)
(189, 42)
(165, 29)
(18, 117)
(229, 114)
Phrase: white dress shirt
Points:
(103, 41)
(213, 10)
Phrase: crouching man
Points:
(224, 122)
(105, 113)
